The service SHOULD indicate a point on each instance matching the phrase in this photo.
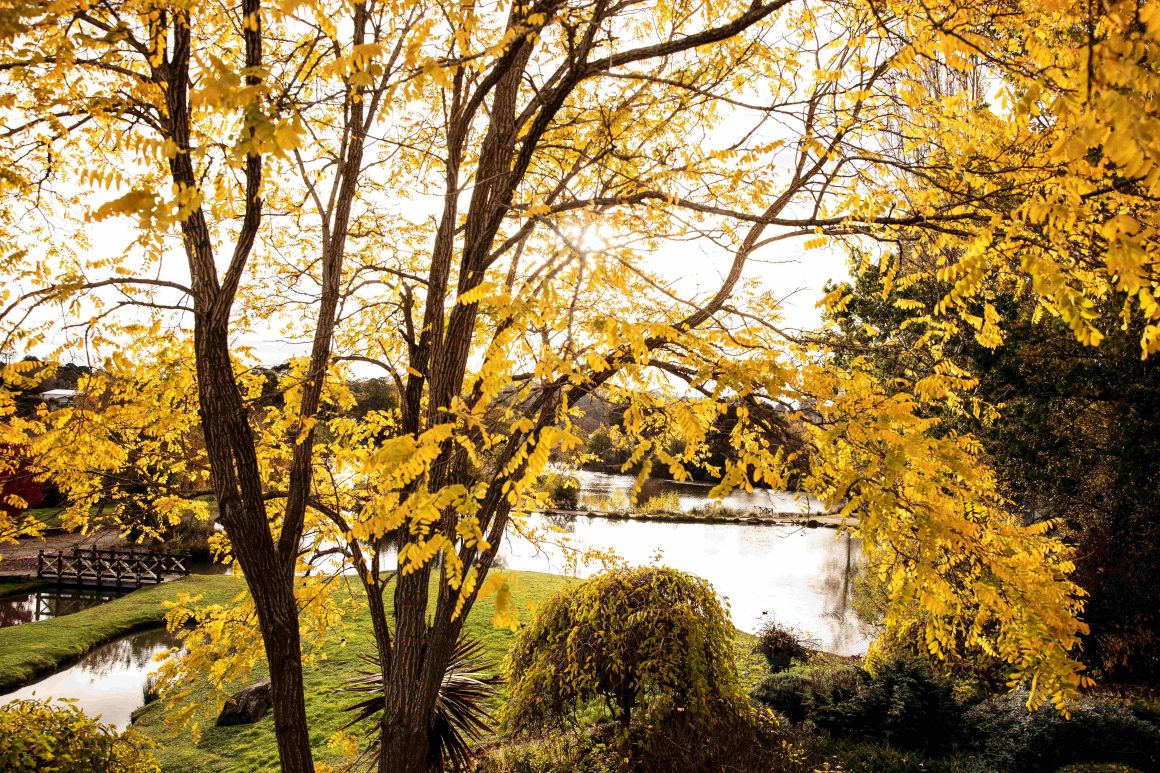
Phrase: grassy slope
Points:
(20, 588)
(31, 650)
(251, 747)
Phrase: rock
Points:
(247, 705)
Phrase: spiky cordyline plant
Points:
(462, 716)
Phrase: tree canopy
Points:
(485, 203)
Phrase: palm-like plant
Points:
(462, 715)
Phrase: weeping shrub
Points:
(628, 637)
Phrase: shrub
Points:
(869, 757)
(715, 511)
(563, 490)
(780, 646)
(462, 712)
(1009, 737)
(151, 690)
(788, 693)
(587, 749)
(664, 502)
(628, 636)
(903, 703)
(59, 738)
(746, 741)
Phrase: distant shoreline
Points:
(809, 520)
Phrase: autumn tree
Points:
(1069, 428)
(1033, 319)
(479, 201)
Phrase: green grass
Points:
(20, 588)
(49, 516)
(34, 649)
(246, 748)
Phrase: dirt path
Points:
(19, 559)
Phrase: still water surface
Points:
(48, 603)
(797, 576)
(108, 681)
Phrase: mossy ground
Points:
(31, 650)
(252, 748)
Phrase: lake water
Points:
(108, 681)
(798, 576)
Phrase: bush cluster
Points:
(746, 741)
(904, 718)
(1006, 736)
(59, 738)
(563, 490)
(903, 703)
(780, 646)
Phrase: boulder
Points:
(247, 705)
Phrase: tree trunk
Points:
(404, 747)
(270, 577)
(278, 619)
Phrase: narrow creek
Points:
(50, 602)
(109, 681)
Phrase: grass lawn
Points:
(49, 516)
(34, 649)
(20, 588)
(252, 748)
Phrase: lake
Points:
(798, 576)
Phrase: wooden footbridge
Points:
(110, 567)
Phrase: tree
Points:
(60, 738)
(1071, 431)
(558, 145)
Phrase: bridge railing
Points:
(110, 567)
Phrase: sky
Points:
(786, 269)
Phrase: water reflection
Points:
(608, 491)
(798, 576)
(49, 603)
(108, 681)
